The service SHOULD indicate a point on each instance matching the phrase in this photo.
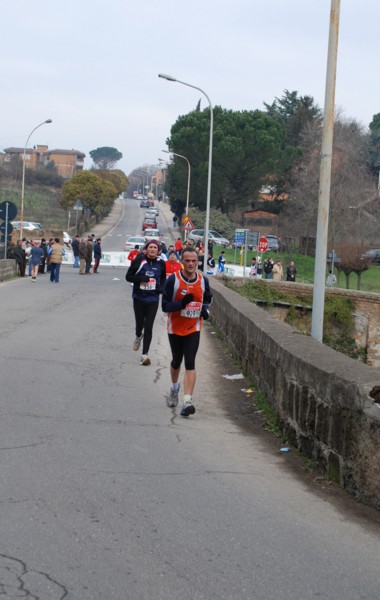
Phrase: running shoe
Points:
(145, 360)
(172, 399)
(137, 343)
(187, 409)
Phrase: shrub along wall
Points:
(328, 404)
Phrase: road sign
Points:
(188, 226)
(78, 205)
(185, 219)
(12, 210)
(263, 244)
(240, 236)
(9, 228)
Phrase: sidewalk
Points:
(101, 229)
(165, 210)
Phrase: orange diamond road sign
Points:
(185, 219)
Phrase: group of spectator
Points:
(84, 251)
(271, 269)
(41, 256)
(37, 255)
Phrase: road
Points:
(131, 223)
(108, 494)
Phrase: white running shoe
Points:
(137, 343)
(145, 360)
(172, 399)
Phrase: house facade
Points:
(67, 162)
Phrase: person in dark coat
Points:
(75, 247)
(97, 254)
(41, 268)
(291, 271)
(20, 256)
(88, 257)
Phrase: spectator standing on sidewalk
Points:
(221, 262)
(291, 271)
(277, 271)
(20, 257)
(97, 254)
(89, 256)
(36, 256)
(56, 253)
(41, 268)
(82, 256)
(75, 247)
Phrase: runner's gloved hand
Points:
(144, 278)
(205, 314)
(186, 299)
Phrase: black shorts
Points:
(184, 346)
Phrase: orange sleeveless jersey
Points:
(187, 320)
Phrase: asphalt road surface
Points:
(108, 494)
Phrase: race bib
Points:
(148, 285)
(192, 310)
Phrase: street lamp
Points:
(325, 177)
(163, 166)
(208, 199)
(188, 181)
(23, 174)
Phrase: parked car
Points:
(66, 238)
(37, 225)
(132, 241)
(217, 238)
(372, 256)
(26, 225)
(152, 234)
(273, 243)
(149, 223)
(144, 203)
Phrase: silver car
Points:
(216, 238)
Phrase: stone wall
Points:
(366, 315)
(328, 404)
(8, 268)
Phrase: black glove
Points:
(186, 299)
(144, 278)
(205, 314)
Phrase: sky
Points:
(92, 66)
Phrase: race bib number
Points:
(192, 310)
(148, 285)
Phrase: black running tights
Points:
(145, 313)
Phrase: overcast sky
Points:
(92, 66)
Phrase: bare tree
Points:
(354, 202)
(352, 260)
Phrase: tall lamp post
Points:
(163, 165)
(188, 181)
(208, 199)
(325, 177)
(23, 175)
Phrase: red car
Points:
(149, 223)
